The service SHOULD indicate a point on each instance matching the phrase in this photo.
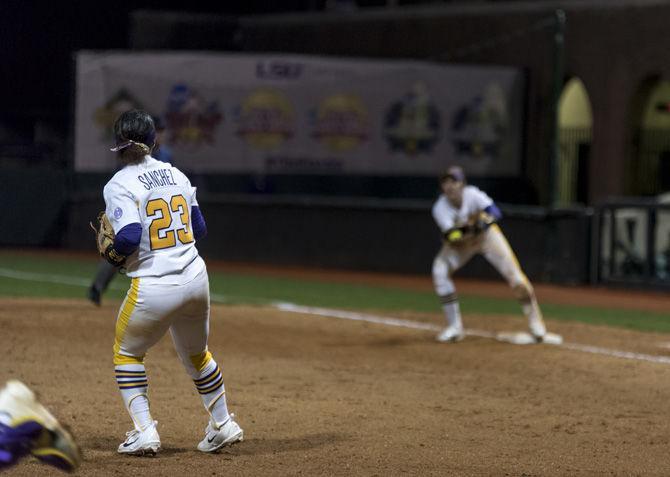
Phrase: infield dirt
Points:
(320, 396)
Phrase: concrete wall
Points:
(365, 234)
(34, 206)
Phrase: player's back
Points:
(159, 197)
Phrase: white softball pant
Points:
(493, 245)
(152, 307)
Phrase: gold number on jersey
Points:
(178, 204)
(160, 233)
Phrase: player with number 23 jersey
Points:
(153, 210)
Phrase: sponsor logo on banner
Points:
(279, 70)
(478, 127)
(265, 119)
(191, 120)
(341, 122)
(105, 116)
(412, 124)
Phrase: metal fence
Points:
(633, 245)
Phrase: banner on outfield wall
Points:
(289, 114)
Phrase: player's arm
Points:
(494, 212)
(126, 241)
(197, 219)
(198, 223)
(480, 222)
(450, 232)
(123, 214)
(489, 212)
(487, 217)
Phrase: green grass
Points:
(69, 278)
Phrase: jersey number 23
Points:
(162, 233)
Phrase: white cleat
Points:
(451, 334)
(537, 329)
(215, 438)
(144, 442)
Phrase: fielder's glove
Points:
(454, 235)
(104, 238)
(477, 224)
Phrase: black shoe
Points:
(94, 295)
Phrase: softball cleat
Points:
(144, 442)
(224, 435)
(451, 334)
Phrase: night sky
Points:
(38, 39)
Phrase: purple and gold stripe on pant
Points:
(131, 379)
(209, 383)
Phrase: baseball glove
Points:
(104, 239)
(476, 225)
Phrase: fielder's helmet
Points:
(134, 127)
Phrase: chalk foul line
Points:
(382, 320)
(345, 315)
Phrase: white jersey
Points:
(447, 216)
(159, 197)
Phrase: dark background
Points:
(38, 38)
(618, 48)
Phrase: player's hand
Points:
(483, 222)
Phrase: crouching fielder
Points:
(156, 221)
(467, 219)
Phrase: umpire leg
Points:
(106, 272)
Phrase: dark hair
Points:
(159, 123)
(135, 134)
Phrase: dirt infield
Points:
(321, 396)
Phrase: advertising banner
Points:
(292, 114)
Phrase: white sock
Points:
(209, 384)
(532, 310)
(139, 409)
(133, 385)
(452, 312)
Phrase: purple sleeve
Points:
(128, 238)
(494, 211)
(198, 222)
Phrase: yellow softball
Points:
(455, 235)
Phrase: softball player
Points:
(156, 219)
(106, 271)
(466, 217)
